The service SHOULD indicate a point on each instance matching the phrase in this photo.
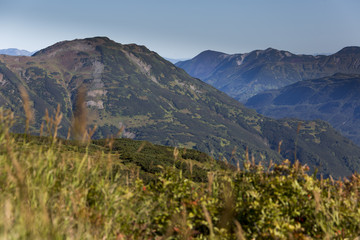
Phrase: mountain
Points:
(133, 89)
(203, 64)
(173, 60)
(15, 52)
(242, 76)
(334, 99)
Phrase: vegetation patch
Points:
(125, 189)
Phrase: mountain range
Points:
(15, 52)
(130, 88)
(334, 99)
(242, 76)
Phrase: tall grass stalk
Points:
(80, 116)
(29, 114)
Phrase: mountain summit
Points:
(131, 88)
(244, 75)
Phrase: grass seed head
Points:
(80, 115)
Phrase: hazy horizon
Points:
(184, 29)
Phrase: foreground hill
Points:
(244, 75)
(334, 99)
(130, 86)
(132, 157)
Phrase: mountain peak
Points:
(208, 60)
(349, 50)
(87, 44)
(269, 49)
(280, 53)
(99, 38)
(210, 54)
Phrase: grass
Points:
(57, 189)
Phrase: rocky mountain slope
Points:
(130, 86)
(334, 99)
(242, 76)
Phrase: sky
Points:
(184, 28)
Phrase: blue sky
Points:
(184, 28)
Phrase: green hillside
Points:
(132, 90)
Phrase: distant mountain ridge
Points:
(130, 86)
(173, 60)
(16, 52)
(335, 99)
(242, 76)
